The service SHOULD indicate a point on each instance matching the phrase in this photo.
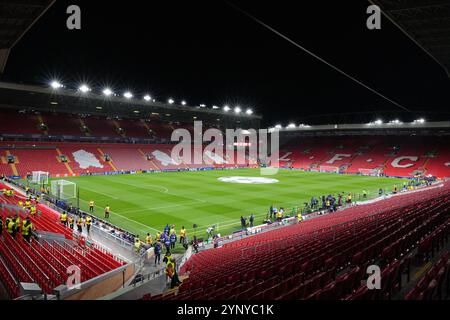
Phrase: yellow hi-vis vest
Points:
(299, 217)
(64, 217)
(183, 233)
(26, 230)
(88, 221)
(149, 240)
(10, 226)
(170, 269)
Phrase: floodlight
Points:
(249, 111)
(226, 108)
(421, 120)
(147, 98)
(237, 110)
(128, 95)
(84, 88)
(291, 126)
(183, 103)
(278, 126)
(171, 101)
(56, 85)
(107, 92)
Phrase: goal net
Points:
(63, 189)
(329, 169)
(370, 172)
(39, 177)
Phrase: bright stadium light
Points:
(56, 85)
(107, 92)
(171, 101)
(215, 107)
(183, 103)
(147, 97)
(278, 126)
(421, 120)
(84, 88)
(128, 95)
(226, 108)
(291, 126)
(202, 105)
(249, 111)
(376, 122)
(237, 110)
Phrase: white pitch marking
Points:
(106, 195)
(133, 221)
(161, 207)
(166, 190)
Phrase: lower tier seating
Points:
(323, 258)
(46, 262)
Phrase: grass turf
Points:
(144, 203)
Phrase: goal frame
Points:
(40, 177)
(369, 172)
(58, 188)
(329, 169)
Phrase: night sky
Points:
(204, 51)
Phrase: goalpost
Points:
(63, 189)
(39, 178)
(370, 172)
(329, 169)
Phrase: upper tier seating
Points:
(322, 258)
(12, 122)
(69, 126)
(101, 127)
(134, 128)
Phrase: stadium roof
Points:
(426, 22)
(16, 18)
(27, 97)
(422, 128)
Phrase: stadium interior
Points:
(54, 134)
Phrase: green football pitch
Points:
(142, 203)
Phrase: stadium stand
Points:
(13, 122)
(432, 284)
(71, 126)
(45, 262)
(405, 162)
(392, 155)
(323, 258)
(84, 158)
